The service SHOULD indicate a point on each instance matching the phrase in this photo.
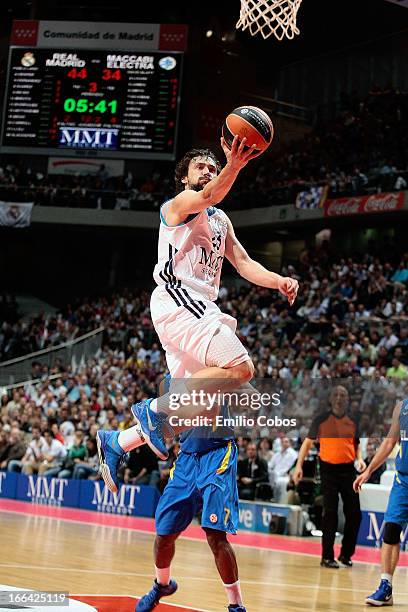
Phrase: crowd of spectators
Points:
(19, 182)
(348, 323)
(363, 150)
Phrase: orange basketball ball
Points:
(250, 122)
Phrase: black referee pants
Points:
(335, 480)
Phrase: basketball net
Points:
(277, 17)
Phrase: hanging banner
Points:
(16, 214)
(314, 197)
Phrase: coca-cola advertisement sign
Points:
(384, 202)
(377, 203)
(342, 207)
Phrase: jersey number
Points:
(227, 513)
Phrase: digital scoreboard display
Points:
(92, 103)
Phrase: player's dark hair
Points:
(183, 164)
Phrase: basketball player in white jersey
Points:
(202, 349)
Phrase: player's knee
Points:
(215, 539)
(163, 542)
(392, 533)
(243, 372)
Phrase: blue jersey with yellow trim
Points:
(204, 439)
(401, 461)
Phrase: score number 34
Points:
(107, 74)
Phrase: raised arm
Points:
(254, 272)
(190, 201)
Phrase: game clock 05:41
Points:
(83, 105)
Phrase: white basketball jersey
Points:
(190, 256)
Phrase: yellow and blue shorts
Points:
(204, 482)
(397, 509)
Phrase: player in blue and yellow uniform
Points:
(204, 478)
(396, 516)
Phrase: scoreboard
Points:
(92, 103)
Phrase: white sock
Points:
(153, 405)
(234, 593)
(131, 438)
(162, 575)
(387, 577)
(162, 403)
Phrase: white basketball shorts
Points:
(186, 324)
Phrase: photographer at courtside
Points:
(337, 434)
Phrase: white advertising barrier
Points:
(374, 497)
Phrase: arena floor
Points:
(106, 561)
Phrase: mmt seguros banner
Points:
(372, 530)
(131, 500)
(135, 500)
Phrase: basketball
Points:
(250, 122)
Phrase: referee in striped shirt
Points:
(337, 435)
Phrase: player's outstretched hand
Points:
(237, 156)
(360, 480)
(288, 287)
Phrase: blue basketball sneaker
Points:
(151, 600)
(151, 425)
(382, 596)
(236, 608)
(110, 455)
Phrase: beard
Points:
(199, 186)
